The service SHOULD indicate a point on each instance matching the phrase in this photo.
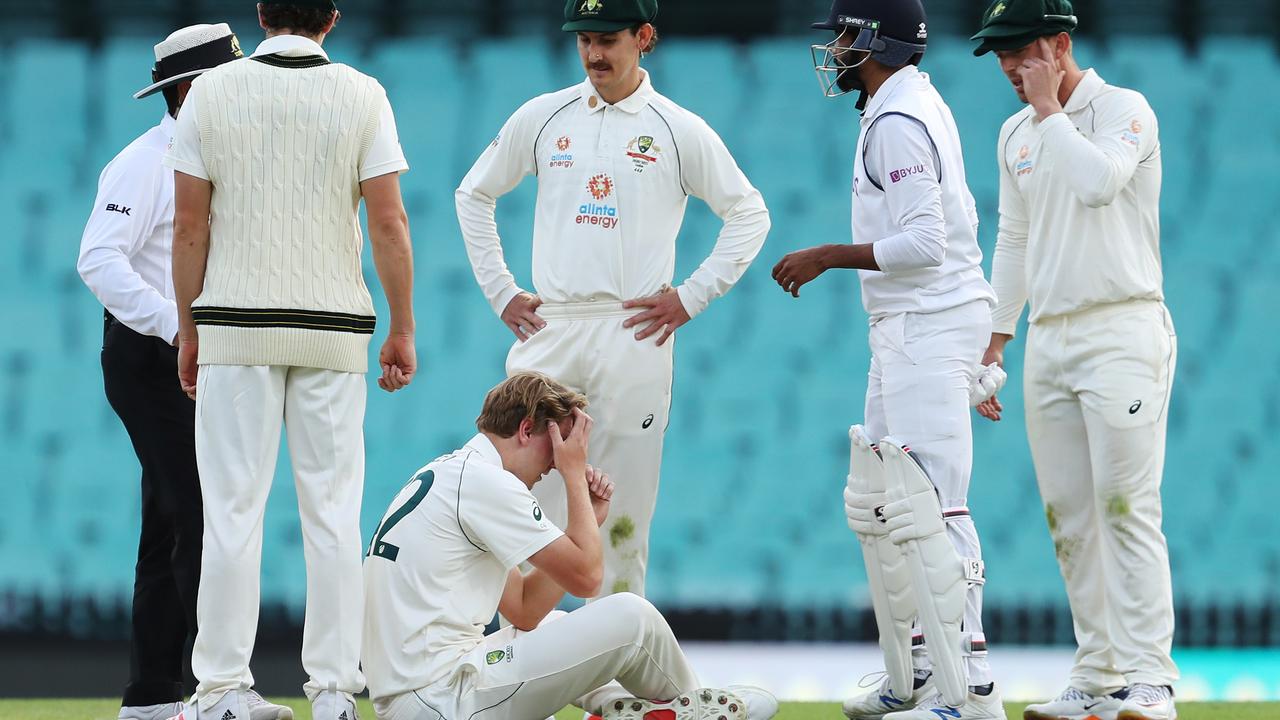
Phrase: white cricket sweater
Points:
(283, 139)
(1079, 206)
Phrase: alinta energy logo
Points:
(597, 213)
(563, 158)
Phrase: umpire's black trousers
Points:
(140, 374)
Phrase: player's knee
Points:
(631, 606)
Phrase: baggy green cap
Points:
(1012, 24)
(607, 15)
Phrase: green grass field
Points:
(106, 710)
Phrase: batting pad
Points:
(888, 575)
(914, 520)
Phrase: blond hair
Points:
(527, 395)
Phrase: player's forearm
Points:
(540, 596)
(122, 291)
(1009, 281)
(190, 259)
(393, 258)
(743, 235)
(484, 247)
(583, 532)
(850, 257)
(1092, 174)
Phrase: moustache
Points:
(601, 67)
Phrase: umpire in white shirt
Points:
(124, 259)
(1079, 239)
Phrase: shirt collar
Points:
(878, 100)
(167, 124)
(481, 444)
(294, 45)
(1088, 89)
(633, 103)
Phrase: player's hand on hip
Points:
(799, 268)
(663, 311)
(569, 452)
(521, 316)
(188, 367)
(399, 361)
(1041, 80)
(600, 487)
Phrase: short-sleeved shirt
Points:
(438, 564)
(385, 154)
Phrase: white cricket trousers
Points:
(918, 391)
(628, 385)
(238, 414)
(618, 646)
(1097, 386)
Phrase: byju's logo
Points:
(904, 173)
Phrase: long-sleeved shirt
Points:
(1079, 206)
(613, 182)
(911, 200)
(125, 252)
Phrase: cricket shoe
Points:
(233, 705)
(1076, 704)
(1148, 702)
(333, 705)
(880, 700)
(161, 711)
(261, 709)
(735, 702)
(975, 707)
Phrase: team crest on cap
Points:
(590, 7)
(235, 47)
(998, 10)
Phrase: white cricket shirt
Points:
(437, 566)
(1079, 206)
(911, 199)
(613, 182)
(126, 249)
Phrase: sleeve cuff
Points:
(394, 166)
(185, 167)
(691, 306)
(528, 551)
(504, 298)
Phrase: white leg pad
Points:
(888, 575)
(914, 519)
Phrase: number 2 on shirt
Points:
(384, 549)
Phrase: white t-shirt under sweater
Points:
(285, 137)
(438, 564)
(1079, 206)
(911, 199)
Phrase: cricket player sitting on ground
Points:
(915, 245)
(445, 558)
(1080, 239)
(616, 163)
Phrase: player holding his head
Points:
(1080, 239)
(616, 163)
(916, 250)
(446, 557)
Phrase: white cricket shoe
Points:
(1075, 704)
(880, 700)
(737, 702)
(261, 709)
(161, 711)
(234, 705)
(1148, 702)
(333, 705)
(975, 707)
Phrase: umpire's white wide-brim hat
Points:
(191, 51)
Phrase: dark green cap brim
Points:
(597, 25)
(991, 43)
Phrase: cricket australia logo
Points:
(590, 7)
(643, 152)
(599, 213)
(494, 657)
(562, 158)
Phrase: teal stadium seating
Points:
(750, 508)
